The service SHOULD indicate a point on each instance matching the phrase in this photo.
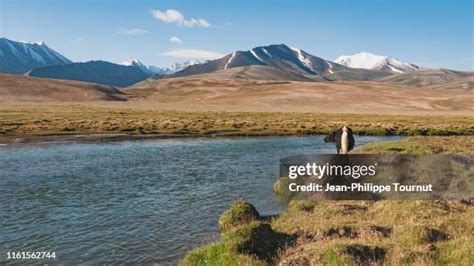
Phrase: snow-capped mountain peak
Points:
(180, 66)
(281, 58)
(132, 62)
(360, 60)
(371, 61)
(40, 43)
(20, 57)
(148, 69)
(153, 70)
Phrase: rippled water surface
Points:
(135, 201)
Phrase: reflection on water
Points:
(135, 201)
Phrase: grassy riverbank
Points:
(422, 145)
(59, 120)
(352, 232)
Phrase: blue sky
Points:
(428, 33)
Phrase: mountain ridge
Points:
(285, 58)
(20, 57)
(96, 71)
(271, 62)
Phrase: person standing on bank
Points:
(343, 138)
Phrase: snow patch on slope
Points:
(302, 59)
(330, 68)
(266, 52)
(256, 56)
(40, 43)
(230, 60)
(395, 69)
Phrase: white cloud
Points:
(175, 39)
(176, 17)
(169, 16)
(196, 22)
(132, 31)
(192, 53)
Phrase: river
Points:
(135, 201)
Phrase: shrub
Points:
(240, 213)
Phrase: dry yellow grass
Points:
(245, 90)
(389, 232)
(349, 233)
(220, 91)
(86, 119)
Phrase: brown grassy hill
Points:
(17, 88)
(433, 78)
(231, 90)
(466, 83)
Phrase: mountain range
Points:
(154, 70)
(38, 60)
(102, 72)
(272, 62)
(300, 64)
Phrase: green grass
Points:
(217, 255)
(240, 213)
(391, 232)
(422, 145)
(245, 244)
